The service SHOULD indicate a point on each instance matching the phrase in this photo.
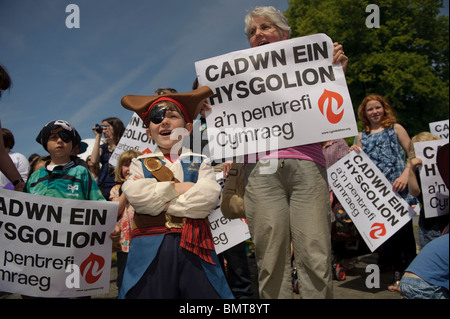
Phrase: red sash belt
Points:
(196, 236)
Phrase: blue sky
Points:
(122, 47)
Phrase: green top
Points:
(73, 181)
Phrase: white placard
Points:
(278, 95)
(440, 129)
(226, 232)
(367, 196)
(434, 191)
(55, 247)
(134, 137)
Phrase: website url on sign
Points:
(337, 130)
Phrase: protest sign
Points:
(55, 247)
(274, 96)
(226, 232)
(434, 191)
(440, 129)
(367, 196)
(134, 137)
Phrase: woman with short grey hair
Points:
(273, 14)
(292, 204)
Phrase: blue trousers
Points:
(417, 288)
(175, 273)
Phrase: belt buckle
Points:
(170, 224)
(152, 164)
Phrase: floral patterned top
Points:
(385, 151)
(125, 223)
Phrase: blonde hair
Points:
(125, 158)
(421, 137)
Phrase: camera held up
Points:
(99, 128)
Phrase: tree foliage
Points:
(406, 59)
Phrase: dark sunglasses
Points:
(65, 136)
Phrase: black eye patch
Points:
(157, 114)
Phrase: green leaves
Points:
(406, 59)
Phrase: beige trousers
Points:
(290, 205)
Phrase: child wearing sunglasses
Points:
(63, 176)
(173, 191)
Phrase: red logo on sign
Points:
(378, 230)
(243, 220)
(331, 96)
(87, 268)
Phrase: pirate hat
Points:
(71, 133)
(190, 103)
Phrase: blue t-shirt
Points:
(432, 262)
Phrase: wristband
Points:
(17, 181)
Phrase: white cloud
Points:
(93, 107)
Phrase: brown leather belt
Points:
(163, 219)
(161, 173)
(159, 170)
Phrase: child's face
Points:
(163, 133)
(126, 169)
(58, 149)
(374, 112)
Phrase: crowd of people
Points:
(162, 236)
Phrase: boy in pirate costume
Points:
(171, 253)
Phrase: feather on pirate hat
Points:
(190, 103)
